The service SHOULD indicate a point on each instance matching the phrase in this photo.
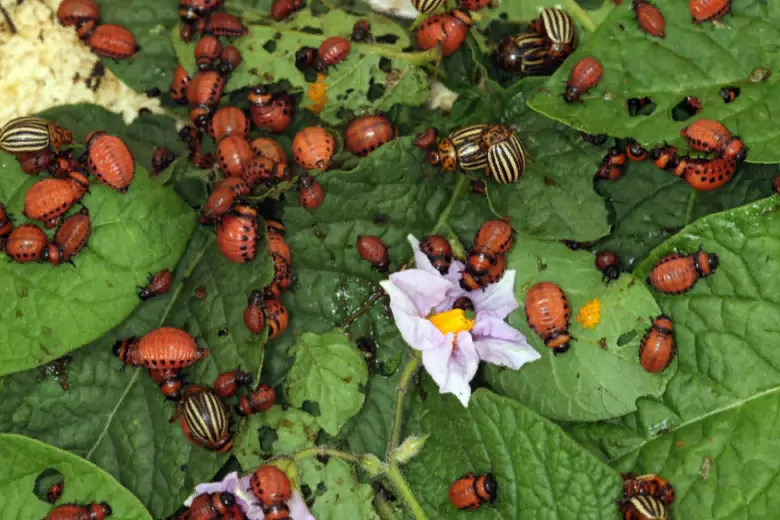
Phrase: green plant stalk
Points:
(460, 187)
(384, 508)
(580, 14)
(396, 478)
(327, 452)
(415, 358)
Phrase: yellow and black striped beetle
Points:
(493, 148)
(32, 134)
(644, 507)
(557, 26)
(204, 419)
(427, 6)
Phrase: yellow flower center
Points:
(452, 321)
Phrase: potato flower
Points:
(453, 342)
(242, 490)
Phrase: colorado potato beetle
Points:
(207, 52)
(113, 41)
(211, 506)
(221, 24)
(229, 60)
(277, 316)
(260, 400)
(281, 9)
(313, 148)
(234, 154)
(427, 6)
(266, 147)
(165, 347)
(161, 159)
(49, 199)
(205, 89)
(55, 492)
(708, 10)
(31, 134)
(612, 166)
(463, 147)
(709, 174)
(204, 419)
(657, 348)
(237, 235)
(228, 383)
(228, 121)
(72, 235)
(547, 311)
(439, 252)
(331, 52)
(6, 224)
(650, 18)
(644, 508)
(678, 273)
(110, 160)
(169, 380)
(26, 243)
(267, 171)
(254, 314)
(525, 54)
(365, 134)
(33, 163)
(179, 85)
(361, 31)
(158, 284)
(585, 75)
(559, 30)
(310, 192)
(447, 31)
(190, 10)
(494, 237)
(506, 154)
(270, 485)
(373, 250)
(607, 263)
(650, 485)
(707, 135)
(277, 512)
(219, 203)
(92, 511)
(71, 12)
(470, 491)
(272, 112)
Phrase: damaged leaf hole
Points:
(688, 107)
(387, 38)
(640, 106)
(49, 485)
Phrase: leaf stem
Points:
(415, 358)
(580, 14)
(395, 477)
(689, 209)
(326, 452)
(384, 508)
(460, 187)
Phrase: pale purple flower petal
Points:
(498, 298)
(462, 366)
(230, 484)
(436, 360)
(426, 290)
(298, 509)
(417, 331)
(247, 500)
(498, 343)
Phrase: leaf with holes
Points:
(150, 22)
(24, 459)
(369, 430)
(373, 78)
(118, 419)
(600, 376)
(541, 472)
(328, 370)
(650, 205)
(49, 311)
(693, 60)
(715, 421)
(345, 496)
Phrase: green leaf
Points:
(118, 418)
(269, 56)
(344, 496)
(49, 311)
(541, 472)
(693, 60)
(718, 409)
(369, 430)
(555, 196)
(600, 376)
(329, 370)
(293, 430)
(649, 205)
(150, 22)
(25, 459)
